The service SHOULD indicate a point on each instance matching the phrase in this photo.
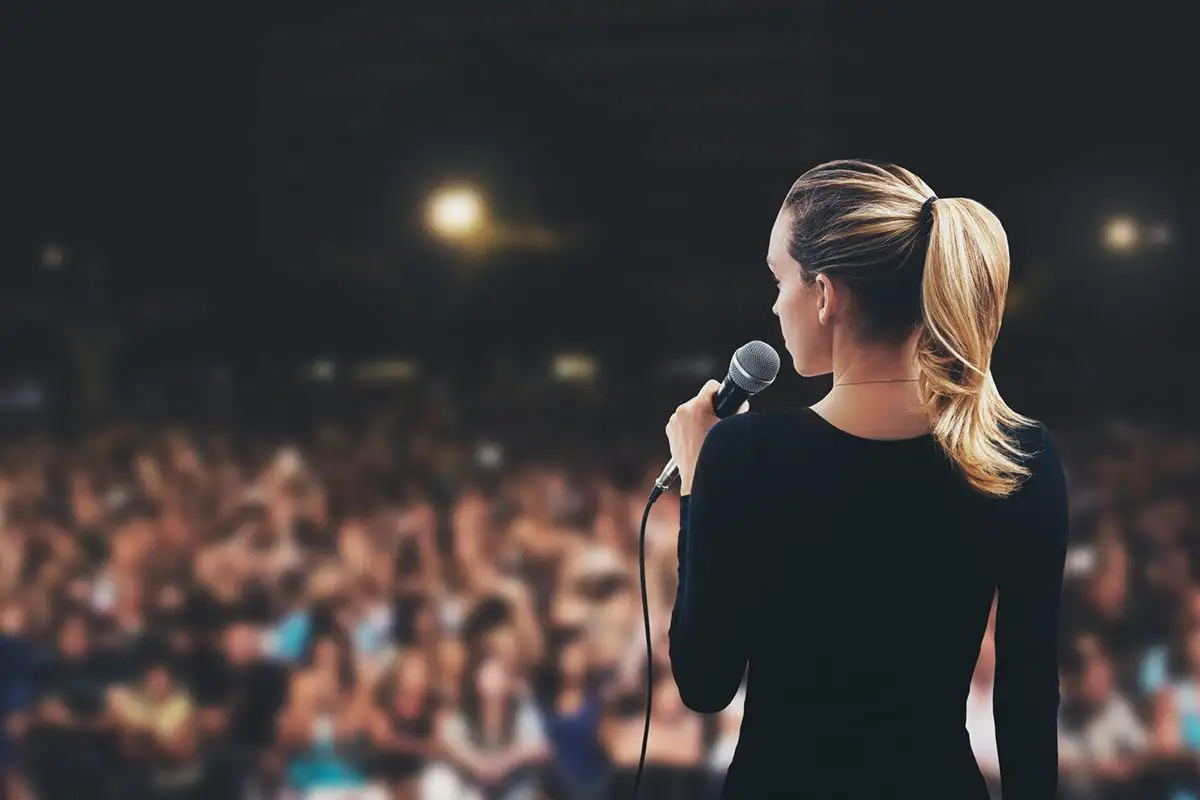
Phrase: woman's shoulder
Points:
(759, 426)
(758, 434)
(1041, 497)
(1038, 448)
(754, 446)
(1033, 437)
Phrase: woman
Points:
(1103, 745)
(572, 707)
(495, 742)
(322, 729)
(883, 519)
(402, 725)
(155, 720)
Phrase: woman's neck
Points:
(875, 394)
(328, 679)
(570, 697)
(492, 713)
(409, 701)
(854, 362)
(881, 411)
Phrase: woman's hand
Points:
(687, 428)
(493, 770)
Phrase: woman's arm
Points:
(1134, 743)
(431, 558)
(177, 736)
(406, 743)
(454, 743)
(525, 623)
(710, 623)
(293, 725)
(386, 737)
(529, 744)
(628, 674)
(1166, 740)
(1029, 589)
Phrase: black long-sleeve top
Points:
(849, 581)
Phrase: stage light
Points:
(386, 370)
(1121, 234)
(573, 367)
(53, 256)
(490, 455)
(456, 213)
(321, 370)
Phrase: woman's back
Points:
(857, 577)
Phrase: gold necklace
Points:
(884, 380)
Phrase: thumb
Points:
(710, 389)
(745, 407)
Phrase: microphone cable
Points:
(655, 493)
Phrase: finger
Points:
(704, 399)
(745, 407)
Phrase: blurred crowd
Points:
(368, 611)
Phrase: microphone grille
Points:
(754, 366)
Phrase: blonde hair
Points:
(939, 267)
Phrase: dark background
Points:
(244, 187)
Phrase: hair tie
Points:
(926, 214)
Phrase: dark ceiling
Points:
(667, 109)
(269, 169)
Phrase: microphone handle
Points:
(729, 399)
(669, 473)
(726, 402)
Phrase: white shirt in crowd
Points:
(721, 754)
(981, 727)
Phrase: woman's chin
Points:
(809, 371)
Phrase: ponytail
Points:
(962, 292)
(862, 222)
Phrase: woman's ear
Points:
(827, 299)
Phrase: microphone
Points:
(753, 368)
